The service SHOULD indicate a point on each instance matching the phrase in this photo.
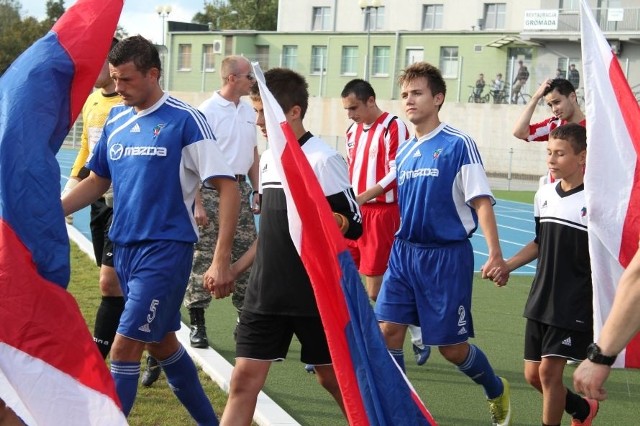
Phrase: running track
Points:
(515, 222)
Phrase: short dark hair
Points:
(362, 89)
(138, 50)
(287, 86)
(573, 133)
(562, 85)
(425, 70)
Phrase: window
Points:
(349, 64)
(449, 61)
(208, 62)
(374, 18)
(289, 57)
(318, 59)
(381, 56)
(432, 17)
(569, 5)
(184, 57)
(414, 55)
(321, 19)
(494, 16)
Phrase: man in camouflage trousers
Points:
(233, 123)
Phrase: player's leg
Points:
(421, 351)
(112, 300)
(183, 380)
(261, 339)
(554, 393)
(247, 380)
(315, 351)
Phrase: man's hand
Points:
(496, 270)
(219, 280)
(589, 378)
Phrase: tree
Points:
(16, 34)
(259, 15)
(55, 9)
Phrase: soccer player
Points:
(94, 114)
(443, 195)
(559, 310)
(156, 150)
(372, 141)
(279, 301)
(560, 95)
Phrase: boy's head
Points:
(422, 76)
(359, 99)
(288, 88)
(567, 151)
(560, 95)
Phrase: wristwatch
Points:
(594, 354)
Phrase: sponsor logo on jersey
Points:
(463, 330)
(135, 129)
(414, 174)
(544, 205)
(117, 151)
(583, 212)
(567, 341)
(417, 154)
(157, 129)
(145, 328)
(437, 153)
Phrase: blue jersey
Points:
(156, 159)
(438, 176)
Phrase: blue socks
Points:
(477, 367)
(126, 375)
(182, 377)
(398, 355)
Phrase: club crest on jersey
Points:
(157, 129)
(437, 153)
(583, 211)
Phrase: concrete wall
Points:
(490, 125)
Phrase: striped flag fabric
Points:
(612, 179)
(51, 372)
(374, 389)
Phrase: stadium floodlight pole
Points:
(163, 12)
(366, 6)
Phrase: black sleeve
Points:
(536, 239)
(345, 203)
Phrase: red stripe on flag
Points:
(86, 47)
(630, 111)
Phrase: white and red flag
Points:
(612, 180)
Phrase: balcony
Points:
(616, 23)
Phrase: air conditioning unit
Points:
(217, 46)
(477, 48)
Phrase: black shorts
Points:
(267, 337)
(542, 340)
(101, 216)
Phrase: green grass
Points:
(451, 397)
(521, 196)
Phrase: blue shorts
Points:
(153, 276)
(429, 287)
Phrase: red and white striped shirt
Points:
(539, 132)
(371, 155)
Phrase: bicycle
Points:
(476, 97)
(498, 96)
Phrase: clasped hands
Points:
(496, 270)
(219, 280)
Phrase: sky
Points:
(138, 16)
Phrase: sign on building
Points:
(541, 19)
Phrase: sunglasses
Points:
(249, 76)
